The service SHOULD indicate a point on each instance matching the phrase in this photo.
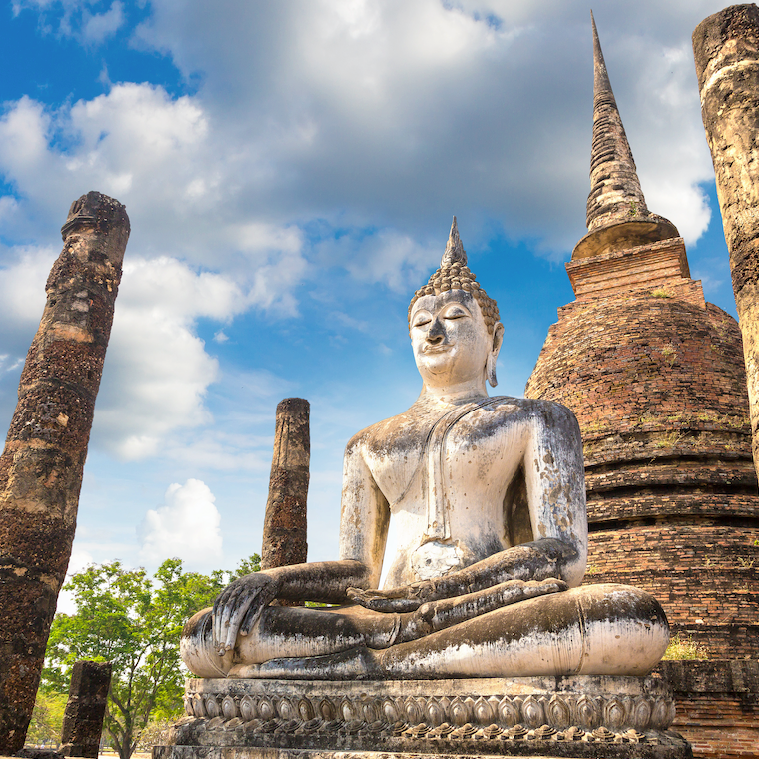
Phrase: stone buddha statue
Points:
(485, 500)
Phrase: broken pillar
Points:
(85, 709)
(42, 463)
(285, 538)
(726, 51)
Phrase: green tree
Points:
(134, 621)
(47, 718)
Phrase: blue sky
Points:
(290, 170)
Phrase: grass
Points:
(681, 647)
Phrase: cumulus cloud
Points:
(186, 526)
(157, 371)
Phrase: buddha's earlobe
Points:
(493, 356)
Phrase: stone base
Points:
(581, 716)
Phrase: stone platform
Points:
(582, 716)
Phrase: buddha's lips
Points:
(436, 348)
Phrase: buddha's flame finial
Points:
(454, 250)
(454, 274)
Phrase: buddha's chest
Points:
(439, 467)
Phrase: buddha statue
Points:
(484, 500)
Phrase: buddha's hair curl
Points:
(458, 276)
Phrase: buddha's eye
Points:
(421, 318)
(456, 312)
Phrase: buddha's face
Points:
(450, 339)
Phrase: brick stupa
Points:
(656, 378)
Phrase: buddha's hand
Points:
(405, 598)
(239, 606)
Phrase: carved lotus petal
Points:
(640, 713)
(327, 709)
(349, 711)
(672, 713)
(614, 713)
(509, 711)
(248, 709)
(266, 708)
(434, 712)
(532, 712)
(660, 714)
(414, 710)
(459, 711)
(371, 710)
(197, 706)
(286, 709)
(588, 712)
(483, 713)
(211, 706)
(558, 712)
(305, 709)
(390, 711)
(228, 707)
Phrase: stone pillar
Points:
(85, 709)
(41, 465)
(285, 521)
(726, 50)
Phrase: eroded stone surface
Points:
(726, 50)
(41, 465)
(572, 716)
(85, 709)
(285, 524)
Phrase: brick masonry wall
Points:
(658, 386)
(717, 706)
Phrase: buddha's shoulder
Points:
(505, 404)
(399, 430)
(406, 430)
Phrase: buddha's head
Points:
(454, 325)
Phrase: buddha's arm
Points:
(554, 475)
(364, 515)
(241, 603)
(363, 530)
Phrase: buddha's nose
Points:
(437, 333)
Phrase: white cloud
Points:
(22, 286)
(157, 370)
(186, 526)
(98, 27)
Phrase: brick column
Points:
(43, 460)
(726, 51)
(285, 521)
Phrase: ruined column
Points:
(285, 521)
(85, 709)
(41, 465)
(726, 50)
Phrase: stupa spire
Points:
(615, 200)
(615, 193)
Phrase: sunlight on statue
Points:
(485, 500)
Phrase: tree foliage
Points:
(134, 621)
(47, 718)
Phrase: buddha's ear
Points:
(493, 356)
